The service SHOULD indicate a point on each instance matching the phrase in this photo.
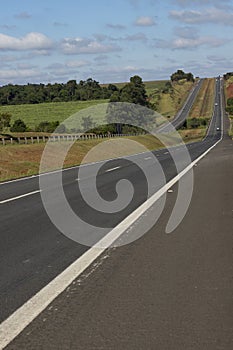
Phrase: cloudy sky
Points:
(111, 40)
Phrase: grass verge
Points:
(24, 160)
(203, 107)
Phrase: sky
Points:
(51, 41)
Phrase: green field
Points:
(33, 114)
(150, 85)
(167, 104)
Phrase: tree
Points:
(134, 92)
(5, 119)
(180, 75)
(18, 126)
(230, 102)
(47, 126)
(131, 112)
(112, 88)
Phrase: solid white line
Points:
(109, 170)
(19, 197)
(21, 318)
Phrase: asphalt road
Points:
(33, 251)
(181, 116)
(170, 292)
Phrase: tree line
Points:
(133, 93)
(40, 93)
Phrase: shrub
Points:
(18, 126)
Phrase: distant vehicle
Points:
(216, 104)
(218, 129)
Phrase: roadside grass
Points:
(33, 114)
(203, 107)
(228, 90)
(168, 104)
(24, 160)
(231, 127)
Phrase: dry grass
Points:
(24, 160)
(203, 107)
(170, 103)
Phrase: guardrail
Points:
(60, 138)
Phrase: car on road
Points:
(216, 104)
(218, 129)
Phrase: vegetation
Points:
(228, 75)
(18, 126)
(39, 93)
(170, 97)
(194, 123)
(133, 92)
(22, 160)
(5, 119)
(229, 107)
(180, 75)
(33, 115)
(203, 107)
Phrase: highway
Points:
(33, 252)
(181, 116)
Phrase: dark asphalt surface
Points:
(33, 252)
(164, 291)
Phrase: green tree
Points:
(18, 126)
(5, 119)
(180, 75)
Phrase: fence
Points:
(60, 138)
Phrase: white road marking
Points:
(147, 158)
(21, 318)
(166, 152)
(109, 170)
(19, 197)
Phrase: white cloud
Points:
(145, 21)
(185, 43)
(209, 15)
(31, 41)
(15, 74)
(77, 46)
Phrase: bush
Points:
(194, 123)
(18, 126)
(47, 126)
(230, 102)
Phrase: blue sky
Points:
(55, 41)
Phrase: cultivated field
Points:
(33, 114)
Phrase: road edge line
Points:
(24, 315)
